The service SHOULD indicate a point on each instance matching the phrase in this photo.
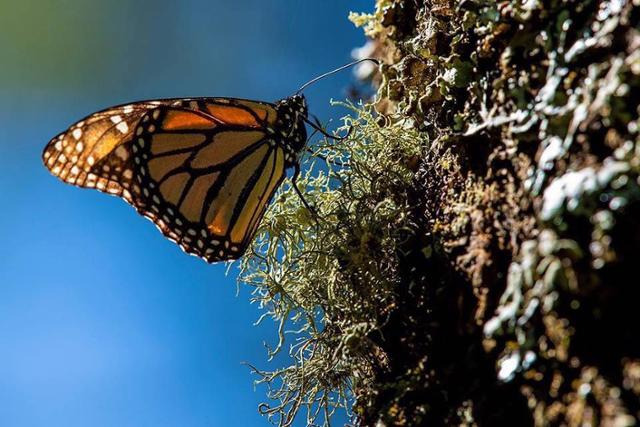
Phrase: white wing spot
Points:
(91, 160)
(156, 114)
(116, 119)
(77, 133)
(128, 109)
(79, 146)
(123, 127)
(58, 145)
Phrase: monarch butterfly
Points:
(202, 169)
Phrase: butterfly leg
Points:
(294, 181)
(315, 124)
(339, 138)
(309, 150)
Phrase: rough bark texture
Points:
(520, 306)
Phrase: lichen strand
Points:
(333, 276)
(530, 196)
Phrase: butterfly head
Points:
(296, 107)
(298, 104)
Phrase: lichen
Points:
(312, 271)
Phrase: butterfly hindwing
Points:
(203, 170)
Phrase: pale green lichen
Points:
(314, 274)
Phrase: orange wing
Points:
(203, 170)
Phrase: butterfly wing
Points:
(72, 155)
(203, 170)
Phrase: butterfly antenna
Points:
(322, 76)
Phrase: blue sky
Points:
(103, 322)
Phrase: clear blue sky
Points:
(102, 321)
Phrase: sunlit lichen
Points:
(330, 276)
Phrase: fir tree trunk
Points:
(523, 310)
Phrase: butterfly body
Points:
(202, 169)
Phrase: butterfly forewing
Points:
(203, 170)
(74, 155)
